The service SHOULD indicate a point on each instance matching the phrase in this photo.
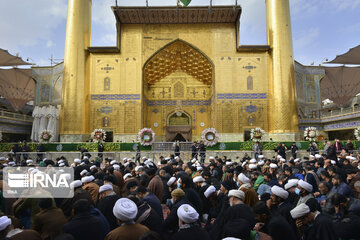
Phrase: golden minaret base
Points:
(283, 117)
(75, 105)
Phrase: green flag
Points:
(185, 3)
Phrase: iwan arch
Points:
(178, 71)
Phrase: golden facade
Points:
(176, 70)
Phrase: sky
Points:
(322, 29)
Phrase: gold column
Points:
(283, 117)
(75, 100)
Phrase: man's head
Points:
(177, 194)
(125, 210)
(336, 180)
(187, 214)
(278, 195)
(302, 215)
(81, 206)
(304, 188)
(324, 187)
(45, 203)
(141, 192)
(262, 213)
(5, 224)
(105, 190)
(236, 197)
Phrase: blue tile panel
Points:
(242, 96)
(173, 103)
(115, 97)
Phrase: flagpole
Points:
(210, 7)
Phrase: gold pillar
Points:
(283, 117)
(75, 100)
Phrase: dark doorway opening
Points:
(247, 136)
(179, 138)
(109, 136)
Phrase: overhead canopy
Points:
(340, 84)
(6, 59)
(17, 86)
(351, 57)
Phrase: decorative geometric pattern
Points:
(242, 96)
(174, 103)
(178, 90)
(115, 97)
(341, 125)
(178, 55)
(106, 109)
(166, 15)
(251, 108)
(330, 119)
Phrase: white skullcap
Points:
(307, 186)
(297, 160)
(92, 167)
(242, 178)
(187, 213)
(125, 159)
(125, 210)
(112, 162)
(312, 156)
(228, 163)
(87, 179)
(253, 160)
(106, 187)
(128, 175)
(75, 184)
(291, 183)
(333, 162)
(77, 160)
(12, 163)
(211, 157)
(252, 166)
(243, 164)
(60, 161)
(83, 163)
(116, 167)
(317, 156)
(210, 190)
(283, 159)
(4, 222)
(237, 193)
(261, 163)
(126, 164)
(29, 161)
(85, 157)
(280, 192)
(261, 156)
(198, 179)
(61, 164)
(83, 172)
(171, 181)
(273, 165)
(199, 168)
(300, 211)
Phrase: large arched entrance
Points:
(177, 90)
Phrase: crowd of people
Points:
(316, 197)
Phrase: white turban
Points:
(252, 166)
(317, 156)
(60, 161)
(297, 160)
(125, 210)
(83, 172)
(210, 190)
(261, 156)
(198, 179)
(106, 187)
(75, 184)
(83, 163)
(280, 192)
(12, 163)
(128, 175)
(116, 167)
(300, 211)
(87, 179)
(171, 181)
(253, 160)
(244, 163)
(261, 163)
(112, 162)
(282, 159)
(291, 183)
(4, 222)
(311, 156)
(305, 185)
(199, 168)
(237, 193)
(77, 160)
(211, 157)
(187, 213)
(92, 167)
(228, 163)
(333, 162)
(273, 165)
(86, 157)
(61, 164)
(242, 178)
(29, 161)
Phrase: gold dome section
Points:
(178, 55)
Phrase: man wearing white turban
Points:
(304, 190)
(189, 227)
(125, 212)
